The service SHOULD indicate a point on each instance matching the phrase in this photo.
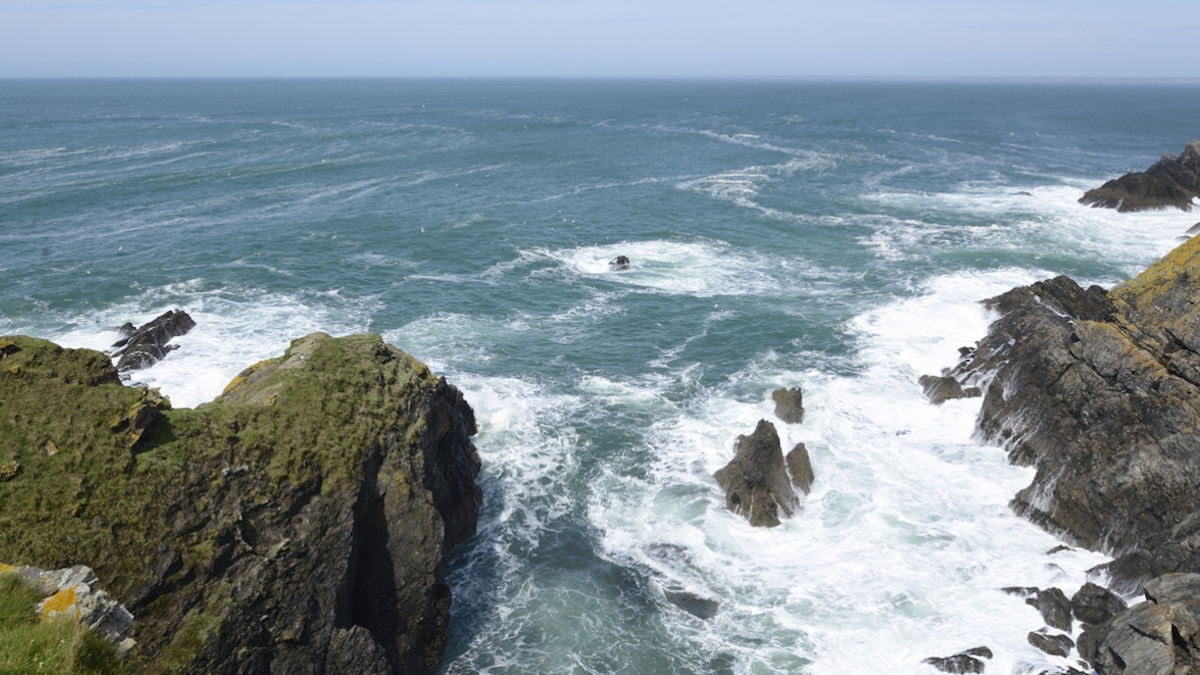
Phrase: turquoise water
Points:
(830, 235)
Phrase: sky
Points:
(618, 38)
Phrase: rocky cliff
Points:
(1170, 182)
(1100, 391)
(298, 523)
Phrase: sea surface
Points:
(836, 236)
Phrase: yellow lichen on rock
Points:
(1183, 261)
(51, 449)
(62, 602)
(6, 569)
(9, 471)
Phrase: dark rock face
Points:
(701, 608)
(1099, 392)
(1161, 635)
(146, 346)
(789, 405)
(963, 662)
(618, 263)
(1095, 604)
(755, 481)
(1170, 182)
(298, 523)
(1055, 645)
(800, 468)
(1054, 607)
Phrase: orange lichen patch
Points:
(60, 603)
(243, 378)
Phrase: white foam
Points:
(906, 539)
(704, 268)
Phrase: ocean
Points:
(836, 236)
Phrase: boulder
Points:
(1052, 644)
(1054, 607)
(789, 405)
(1095, 604)
(145, 346)
(800, 468)
(1171, 182)
(941, 388)
(72, 593)
(1160, 636)
(967, 661)
(300, 522)
(755, 481)
(618, 264)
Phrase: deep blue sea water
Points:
(831, 235)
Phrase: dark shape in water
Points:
(618, 263)
(789, 405)
(702, 608)
(962, 662)
(146, 346)
(755, 481)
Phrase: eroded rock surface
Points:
(1171, 182)
(147, 345)
(755, 481)
(298, 523)
(789, 404)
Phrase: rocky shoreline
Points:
(1100, 392)
(298, 523)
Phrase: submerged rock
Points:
(701, 608)
(755, 481)
(145, 346)
(298, 523)
(789, 405)
(1170, 182)
(618, 264)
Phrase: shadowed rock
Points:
(1160, 635)
(967, 661)
(800, 468)
(789, 405)
(1054, 607)
(618, 263)
(755, 481)
(1055, 645)
(1170, 182)
(145, 346)
(701, 608)
(1095, 604)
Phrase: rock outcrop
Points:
(618, 264)
(145, 346)
(968, 661)
(755, 481)
(298, 523)
(789, 405)
(1171, 182)
(72, 592)
(800, 467)
(1160, 635)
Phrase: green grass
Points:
(29, 646)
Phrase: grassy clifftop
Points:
(259, 504)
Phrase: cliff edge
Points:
(298, 523)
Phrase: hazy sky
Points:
(622, 38)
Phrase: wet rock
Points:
(1170, 182)
(618, 263)
(1055, 645)
(789, 405)
(148, 345)
(967, 661)
(1096, 604)
(755, 481)
(702, 608)
(941, 388)
(1022, 591)
(1054, 607)
(800, 468)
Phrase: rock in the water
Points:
(300, 522)
(755, 481)
(966, 661)
(800, 468)
(702, 608)
(941, 388)
(618, 263)
(789, 405)
(147, 345)
(1055, 645)
(1170, 182)
(1054, 607)
(72, 593)
(1096, 604)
